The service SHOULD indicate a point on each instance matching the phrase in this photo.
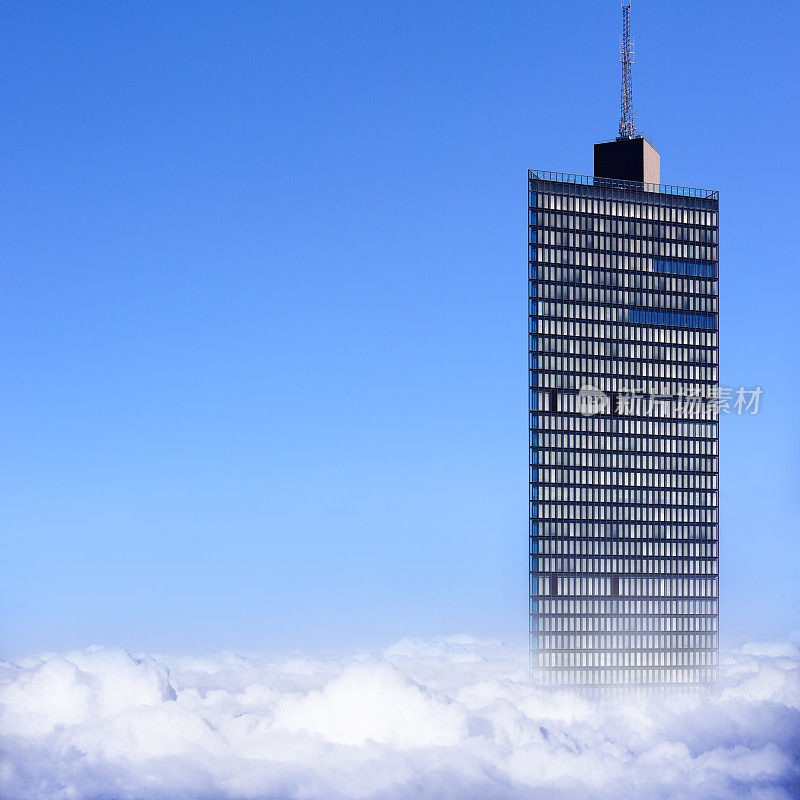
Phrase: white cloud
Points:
(446, 718)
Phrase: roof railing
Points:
(629, 186)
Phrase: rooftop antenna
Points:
(627, 127)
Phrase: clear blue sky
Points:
(264, 288)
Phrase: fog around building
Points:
(451, 717)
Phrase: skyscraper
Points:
(623, 419)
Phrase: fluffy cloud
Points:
(448, 718)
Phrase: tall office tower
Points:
(623, 355)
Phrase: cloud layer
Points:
(448, 718)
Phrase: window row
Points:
(545, 290)
(614, 460)
(615, 611)
(641, 444)
(586, 409)
(622, 547)
(689, 268)
(619, 314)
(619, 244)
(600, 477)
(625, 531)
(625, 280)
(591, 223)
(563, 345)
(670, 209)
(626, 368)
(623, 384)
(619, 333)
(560, 421)
(623, 658)
(631, 513)
(629, 586)
(624, 641)
(635, 629)
(673, 319)
(620, 495)
(630, 565)
(565, 256)
(658, 678)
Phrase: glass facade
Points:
(623, 425)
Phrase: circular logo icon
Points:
(592, 401)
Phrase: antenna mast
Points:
(627, 127)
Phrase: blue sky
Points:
(264, 306)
